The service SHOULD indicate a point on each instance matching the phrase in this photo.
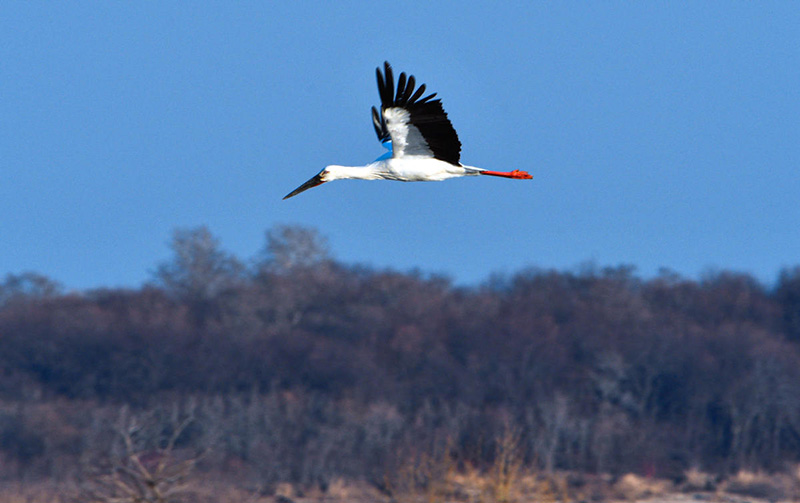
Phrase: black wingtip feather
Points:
(426, 98)
(401, 87)
(417, 94)
(404, 94)
(381, 83)
(409, 89)
(388, 81)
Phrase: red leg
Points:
(516, 174)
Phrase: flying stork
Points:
(422, 144)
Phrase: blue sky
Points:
(659, 134)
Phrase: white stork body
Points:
(421, 140)
(402, 169)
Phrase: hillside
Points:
(295, 368)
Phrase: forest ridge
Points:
(296, 367)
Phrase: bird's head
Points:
(318, 179)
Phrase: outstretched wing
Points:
(417, 126)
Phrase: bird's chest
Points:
(409, 169)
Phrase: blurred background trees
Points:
(296, 367)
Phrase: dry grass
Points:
(424, 478)
(772, 487)
(433, 479)
(505, 472)
(633, 487)
(436, 480)
(467, 487)
(697, 480)
(344, 490)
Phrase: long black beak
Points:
(316, 180)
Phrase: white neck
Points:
(357, 172)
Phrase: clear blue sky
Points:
(659, 134)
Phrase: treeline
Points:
(295, 367)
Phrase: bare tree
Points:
(289, 247)
(138, 474)
(27, 285)
(199, 268)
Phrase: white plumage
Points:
(422, 142)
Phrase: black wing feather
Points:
(417, 94)
(380, 125)
(381, 82)
(426, 114)
(401, 87)
(386, 85)
(426, 98)
(409, 89)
